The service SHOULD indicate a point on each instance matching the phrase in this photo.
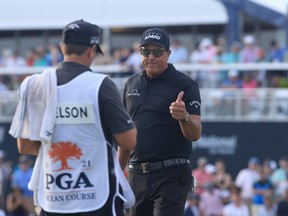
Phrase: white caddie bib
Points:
(74, 175)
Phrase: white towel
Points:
(33, 184)
(35, 114)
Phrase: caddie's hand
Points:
(177, 108)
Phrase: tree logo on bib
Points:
(64, 151)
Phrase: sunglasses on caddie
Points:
(156, 52)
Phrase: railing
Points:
(8, 103)
(217, 105)
(182, 67)
(262, 104)
(244, 105)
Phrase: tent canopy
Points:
(54, 14)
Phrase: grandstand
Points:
(190, 22)
(262, 104)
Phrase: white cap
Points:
(210, 168)
(248, 39)
(205, 42)
(233, 73)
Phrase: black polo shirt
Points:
(159, 136)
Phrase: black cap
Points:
(155, 36)
(82, 33)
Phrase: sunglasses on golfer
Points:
(156, 52)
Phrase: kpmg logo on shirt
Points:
(194, 103)
(134, 92)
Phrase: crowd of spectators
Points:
(206, 51)
(260, 189)
(15, 197)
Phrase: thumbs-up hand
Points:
(180, 96)
(177, 108)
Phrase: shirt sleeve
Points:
(114, 116)
(192, 98)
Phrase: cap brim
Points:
(151, 42)
(98, 49)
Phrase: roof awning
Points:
(54, 14)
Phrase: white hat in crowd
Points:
(248, 39)
(233, 73)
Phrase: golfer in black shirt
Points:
(165, 106)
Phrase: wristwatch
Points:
(186, 118)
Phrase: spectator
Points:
(268, 209)
(276, 53)
(261, 55)
(124, 54)
(221, 43)
(179, 53)
(221, 179)
(282, 207)
(103, 59)
(196, 54)
(261, 74)
(29, 56)
(12, 59)
(15, 203)
(3, 86)
(249, 53)
(237, 207)
(233, 81)
(54, 55)
(250, 100)
(279, 177)
(278, 80)
(40, 59)
(233, 55)
(5, 178)
(246, 178)
(226, 196)
(133, 61)
(20, 179)
(122, 57)
(210, 201)
(261, 189)
(202, 176)
(205, 54)
(192, 205)
(268, 167)
(116, 57)
(228, 57)
(249, 80)
(227, 103)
